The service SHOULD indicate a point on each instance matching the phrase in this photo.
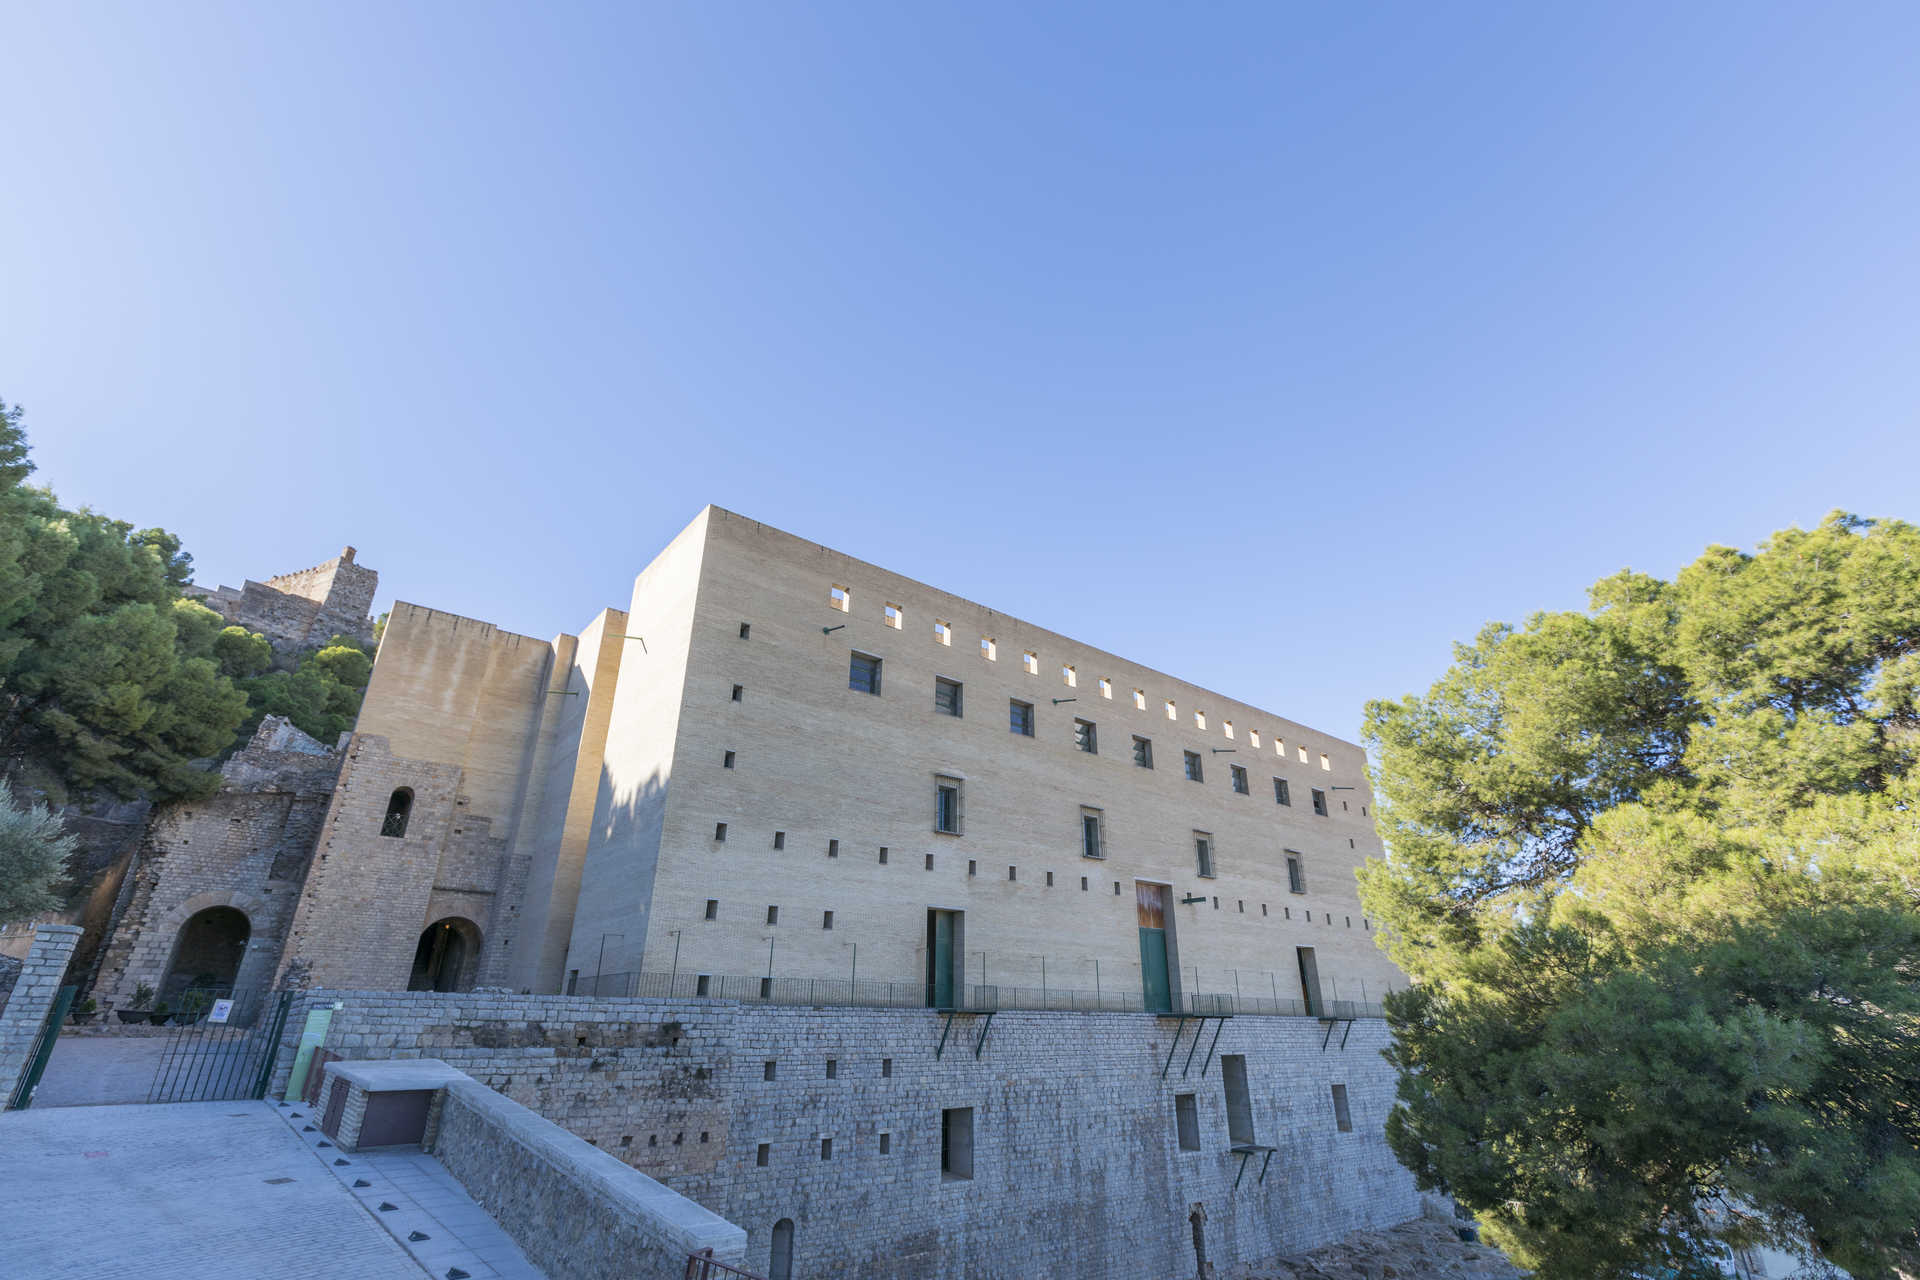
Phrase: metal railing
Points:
(843, 992)
(704, 1266)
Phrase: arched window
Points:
(780, 1264)
(397, 810)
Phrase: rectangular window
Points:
(1069, 677)
(1139, 699)
(946, 805)
(1013, 873)
(893, 616)
(1106, 687)
(886, 1067)
(1239, 774)
(946, 697)
(760, 1156)
(1143, 752)
(719, 833)
(840, 598)
(1203, 853)
(886, 1143)
(826, 1148)
(1020, 717)
(1172, 712)
(833, 848)
(1296, 875)
(1086, 737)
(1326, 764)
(1186, 1121)
(702, 983)
(737, 691)
(1281, 795)
(826, 920)
(746, 629)
(1319, 801)
(1194, 772)
(989, 648)
(713, 908)
(1199, 719)
(779, 839)
(1092, 843)
(1303, 755)
(1226, 727)
(773, 915)
(1341, 1115)
(883, 855)
(1031, 661)
(1233, 1076)
(863, 673)
(833, 1068)
(726, 761)
(956, 1144)
(942, 633)
(1253, 738)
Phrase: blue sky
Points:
(1277, 346)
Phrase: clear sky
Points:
(1277, 346)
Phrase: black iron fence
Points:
(206, 1062)
(918, 995)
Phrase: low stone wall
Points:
(831, 1119)
(32, 995)
(578, 1213)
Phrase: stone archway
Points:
(447, 957)
(207, 953)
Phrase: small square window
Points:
(1106, 687)
(833, 1068)
(1281, 793)
(1069, 677)
(1013, 873)
(826, 1148)
(1319, 801)
(713, 908)
(946, 697)
(886, 1143)
(1239, 775)
(737, 691)
(833, 848)
(746, 630)
(719, 833)
(863, 673)
(946, 806)
(942, 633)
(760, 1156)
(726, 761)
(989, 649)
(1093, 842)
(929, 862)
(840, 598)
(893, 615)
(1020, 717)
(701, 984)
(1031, 661)
(1203, 856)
(1086, 737)
(1143, 752)
(1194, 772)
(883, 855)
(826, 920)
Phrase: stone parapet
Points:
(32, 996)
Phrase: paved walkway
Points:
(95, 1070)
(187, 1191)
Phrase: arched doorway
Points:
(447, 956)
(780, 1263)
(207, 954)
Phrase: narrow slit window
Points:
(1199, 719)
(1326, 766)
(1341, 1115)
(1139, 699)
(738, 690)
(399, 809)
(1106, 688)
(779, 839)
(826, 920)
(726, 761)
(1319, 801)
(746, 630)
(1186, 1121)
(1092, 835)
(956, 1144)
(719, 833)
(773, 915)
(1031, 661)
(946, 806)
(1143, 752)
(833, 848)
(1203, 855)
(1226, 727)
(1173, 712)
(883, 855)
(713, 908)
(1303, 755)
(989, 649)
(1239, 774)
(1296, 874)
(1253, 738)
(1069, 677)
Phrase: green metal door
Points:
(940, 959)
(1156, 990)
(42, 1050)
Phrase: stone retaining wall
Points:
(1077, 1165)
(32, 995)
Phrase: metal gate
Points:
(42, 1050)
(210, 1063)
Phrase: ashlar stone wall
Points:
(1077, 1165)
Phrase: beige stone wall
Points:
(818, 762)
(630, 801)
(454, 711)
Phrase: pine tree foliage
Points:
(1655, 867)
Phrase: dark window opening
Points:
(1086, 737)
(863, 673)
(1319, 802)
(399, 808)
(946, 697)
(956, 1144)
(1341, 1115)
(1239, 774)
(1194, 772)
(1186, 1120)
(1143, 752)
(1020, 717)
(1281, 794)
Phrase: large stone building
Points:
(780, 763)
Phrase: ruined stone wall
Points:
(247, 846)
(1077, 1166)
(302, 610)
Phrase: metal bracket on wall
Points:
(641, 639)
(1246, 1150)
(1331, 1024)
(978, 1045)
(1179, 1029)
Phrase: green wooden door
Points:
(1155, 989)
(940, 959)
